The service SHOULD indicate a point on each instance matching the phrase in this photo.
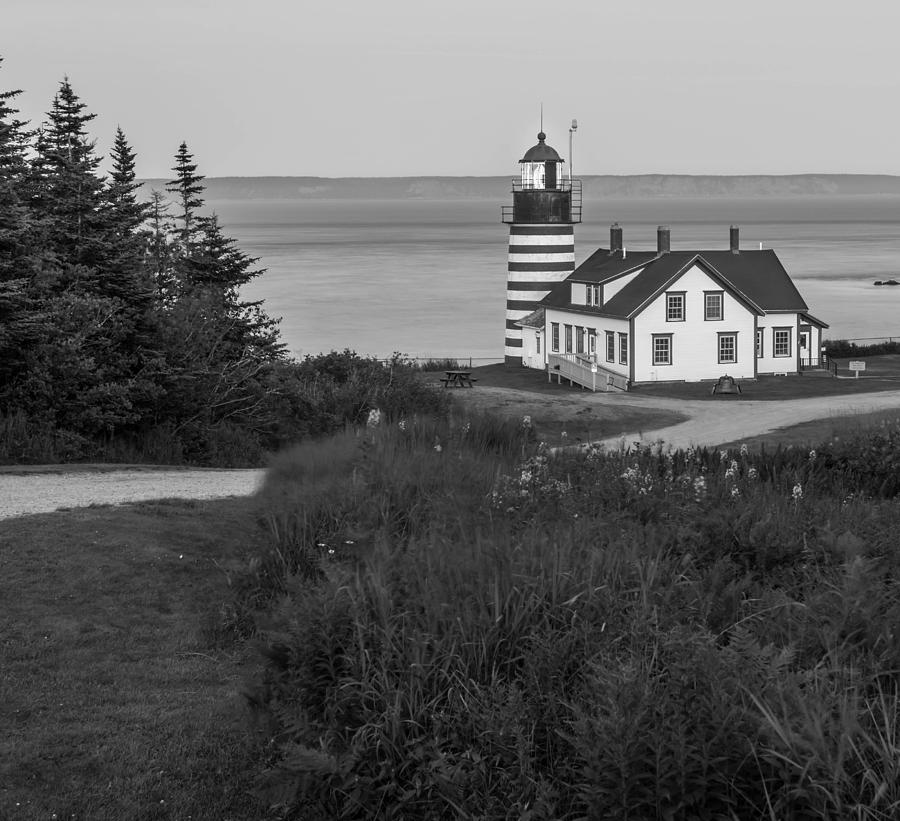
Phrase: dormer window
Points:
(592, 294)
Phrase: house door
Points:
(803, 343)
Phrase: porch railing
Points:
(581, 370)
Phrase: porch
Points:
(580, 369)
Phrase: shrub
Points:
(579, 635)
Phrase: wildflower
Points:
(732, 470)
(437, 446)
(752, 473)
(402, 425)
(812, 456)
(723, 455)
(699, 487)
(526, 422)
(467, 427)
(735, 492)
(564, 435)
(797, 493)
(374, 419)
(744, 450)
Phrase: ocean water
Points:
(428, 277)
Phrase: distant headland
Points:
(595, 186)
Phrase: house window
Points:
(713, 305)
(579, 339)
(538, 338)
(803, 340)
(593, 294)
(610, 346)
(675, 307)
(554, 337)
(760, 335)
(592, 341)
(568, 333)
(782, 345)
(596, 290)
(623, 349)
(727, 348)
(662, 349)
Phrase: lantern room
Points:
(542, 194)
(541, 166)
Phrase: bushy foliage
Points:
(123, 332)
(459, 632)
(842, 348)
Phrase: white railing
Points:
(580, 369)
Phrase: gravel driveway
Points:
(32, 490)
(44, 489)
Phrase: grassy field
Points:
(120, 688)
(829, 429)
(120, 682)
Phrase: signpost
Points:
(857, 366)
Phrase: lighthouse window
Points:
(568, 333)
(554, 337)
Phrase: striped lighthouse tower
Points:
(546, 206)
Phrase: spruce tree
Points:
(15, 247)
(20, 319)
(68, 192)
(187, 189)
(126, 274)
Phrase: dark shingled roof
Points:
(756, 277)
(533, 320)
(541, 152)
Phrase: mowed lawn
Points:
(120, 689)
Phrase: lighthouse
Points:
(545, 208)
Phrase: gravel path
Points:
(714, 423)
(44, 489)
(24, 492)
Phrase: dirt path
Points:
(44, 489)
(708, 423)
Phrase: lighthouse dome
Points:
(541, 152)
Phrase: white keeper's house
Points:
(627, 317)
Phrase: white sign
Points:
(857, 366)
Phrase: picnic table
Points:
(458, 379)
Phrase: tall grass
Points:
(460, 626)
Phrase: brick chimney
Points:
(615, 238)
(735, 239)
(663, 239)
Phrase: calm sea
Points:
(428, 277)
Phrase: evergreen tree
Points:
(160, 248)
(126, 273)
(218, 269)
(187, 189)
(15, 247)
(20, 321)
(67, 191)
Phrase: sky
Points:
(416, 87)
